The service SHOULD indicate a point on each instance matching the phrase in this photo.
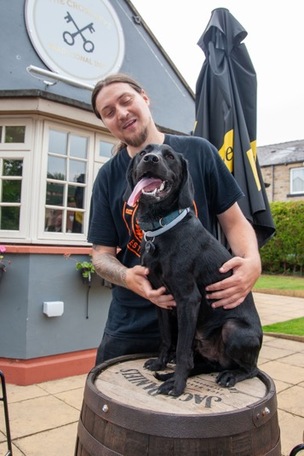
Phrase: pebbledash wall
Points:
(51, 147)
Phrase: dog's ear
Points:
(186, 194)
(129, 177)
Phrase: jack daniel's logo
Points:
(135, 377)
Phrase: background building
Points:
(282, 167)
(51, 148)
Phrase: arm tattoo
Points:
(110, 269)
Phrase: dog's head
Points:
(158, 174)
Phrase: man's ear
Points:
(145, 97)
(129, 178)
(186, 194)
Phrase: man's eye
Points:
(126, 100)
(109, 114)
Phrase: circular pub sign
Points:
(80, 39)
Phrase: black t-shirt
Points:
(113, 223)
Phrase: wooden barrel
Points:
(122, 415)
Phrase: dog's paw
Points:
(154, 364)
(226, 379)
(167, 387)
(171, 387)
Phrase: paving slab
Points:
(56, 442)
(291, 427)
(38, 415)
(278, 370)
(291, 400)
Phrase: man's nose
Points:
(122, 112)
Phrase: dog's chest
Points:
(151, 253)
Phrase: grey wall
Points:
(25, 332)
(172, 100)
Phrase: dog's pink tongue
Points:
(147, 183)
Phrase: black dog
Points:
(184, 257)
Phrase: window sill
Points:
(48, 249)
(293, 195)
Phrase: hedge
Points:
(284, 253)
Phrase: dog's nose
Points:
(151, 158)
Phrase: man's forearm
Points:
(243, 243)
(109, 268)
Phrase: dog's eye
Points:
(170, 156)
(142, 153)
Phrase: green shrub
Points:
(284, 253)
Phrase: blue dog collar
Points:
(166, 223)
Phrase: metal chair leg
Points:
(3, 398)
(296, 449)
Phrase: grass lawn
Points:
(280, 282)
(293, 327)
(288, 286)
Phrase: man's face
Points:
(125, 113)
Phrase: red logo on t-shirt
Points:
(135, 233)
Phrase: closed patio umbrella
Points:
(226, 99)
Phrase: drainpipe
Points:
(272, 182)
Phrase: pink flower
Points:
(2, 248)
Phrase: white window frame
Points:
(18, 122)
(19, 151)
(292, 191)
(100, 160)
(61, 237)
(34, 153)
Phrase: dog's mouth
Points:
(153, 187)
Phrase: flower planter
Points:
(86, 275)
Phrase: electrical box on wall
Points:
(53, 308)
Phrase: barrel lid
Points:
(124, 392)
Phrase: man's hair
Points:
(112, 79)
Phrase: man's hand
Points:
(231, 292)
(245, 265)
(137, 281)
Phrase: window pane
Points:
(1, 133)
(9, 218)
(77, 169)
(11, 191)
(77, 226)
(57, 168)
(298, 180)
(12, 167)
(66, 182)
(14, 134)
(105, 149)
(57, 142)
(54, 194)
(76, 196)
(53, 220)
(78, 146)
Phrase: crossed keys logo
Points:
(69, 38)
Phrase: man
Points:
(132, 326)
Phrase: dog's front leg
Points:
(168, 339)
(187, 316)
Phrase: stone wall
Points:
(278, 177)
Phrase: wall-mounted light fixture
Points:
(50, 78)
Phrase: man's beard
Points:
(138, 140)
